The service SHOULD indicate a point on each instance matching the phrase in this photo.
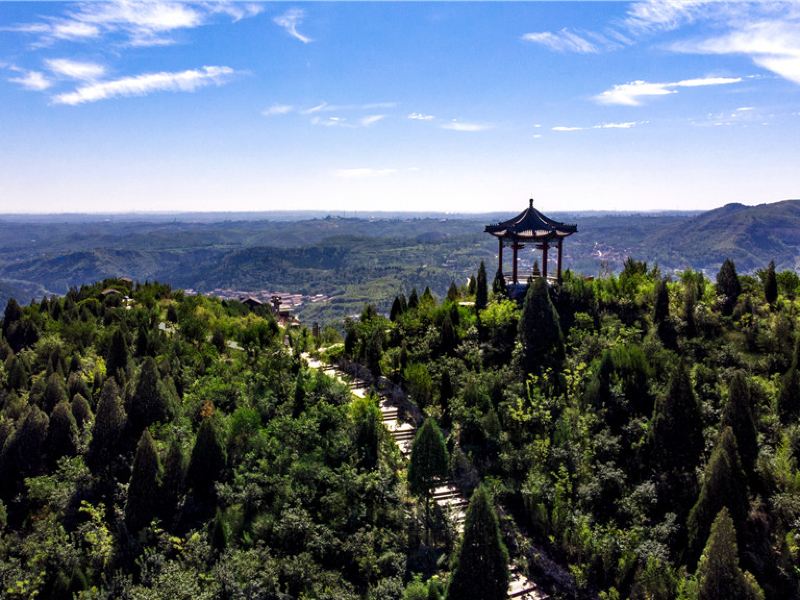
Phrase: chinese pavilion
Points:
(530, 227)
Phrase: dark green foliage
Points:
(728, 286)
(499, 284)
(689, 306)
(718, 574)
(367, 421)
(299, 395)
(452, 292)
(22, 454)
(738, 415)
(109, 426)
(81, 411)
(676, 434)
(119, 356)
(172, 483)
(481, 290)
(540, 330)
(789, 393)
(218, 340)
(207, 462)
(62, 436)
(54, 392)
(448, 340)
(150, 402)
(413, 299)
(724, 485)
(481, 570)
(77, 385)
(144, 487)
(661, 302)
(428, 464)
(18, 375)
(397, 309)
(770, 284)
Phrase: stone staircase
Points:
(446, 494)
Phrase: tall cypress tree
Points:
(728, 286)
(676, 434)
(207, 462)
(81, 411)
(54, 392)
(481, 570)
(738, 415)
(22, 454)
(725, 485)
(661, 302)
(150, 402)
(789, 394)
(452, 292)
(299, 404)
(481, 290)
(144, 490)
(119, 356)
(770, 284)
(540, 330)
(397, 309)
(428, 464)
(413, 299)
(718, 574)
(499, 284)
(448, 339)
(367, 420)
(172, 482)
(108, 428)
(62, 436)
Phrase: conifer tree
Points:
(145, 485)
(413, 299)
(62, 435)
(676, 435)
(108, 428)
(481, 290)
(481, 570)
(11, 315)
(471, 286)
(367, 417)
(724, 485)
(397, 309)
(770, 284)
(446, 394)
(452, 292)
(119, 356)
(689, 304)
(427, 296)
(738, 415)
(18, 375)
(207, 462)
(728, 286)
(81, 411)
(661, 302)
(54, 392)
(789, 394)
(173, 480)
(499, 285)
(77, 385)
(299, 395)
(718, 574)
(429, 462)
(150, 402)
(540, 330)
(22, 453)
(448, 339)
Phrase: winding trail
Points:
(446, 495)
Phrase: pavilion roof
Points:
(530, 224)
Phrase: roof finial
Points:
(530, 205)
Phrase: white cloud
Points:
(290, 20)
(660, 15)
(745, 108)
(536, 136)
(31, 80)
(562, 41)
(277, 109)
(415, 116)
(141, 85)
(771, 44)
(73, 69)
(362, 173)
(566, 128)
(631, 93)
(371, 120)
(465, 126)
(623, 125)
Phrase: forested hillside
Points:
(631, 436)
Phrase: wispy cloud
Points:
(562, 41)
(632, 93)
(612, 125)
(455, 125)
(415, 116)
(147, 83)
(277, 109)
(336, 121)
(73, 69)
(371, 120)
(30, 80)
(362, 173)
(142, 23)
(290, 20)
(567, 128)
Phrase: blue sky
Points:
(122, 106)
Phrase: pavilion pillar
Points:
(500, 256)
(545, 245)
(560, 248)
(514, 248)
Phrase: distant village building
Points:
(251, 302)
(530, 227)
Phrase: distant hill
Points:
(357, 260)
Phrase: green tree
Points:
(119, 355)
(413, 299)
(108, 428)
(62, 436)
(540, 330)
(718, 574)
(299, 404)
(22, 453)
(207, 463)
(770, 284)
(448, 339)
(428, 464)
(54, 392)
(661, 302)
(173, 479)
(738, 415)
(367, 419)
(150, 402)
(397, 309)
(419, 384)
(724, 485)
(728, 286)
(144, 489)
(481, 290)
(676, 434)
(499, 285)
(81, 411)
(481, 570)
(452, 292)
(789, 393)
